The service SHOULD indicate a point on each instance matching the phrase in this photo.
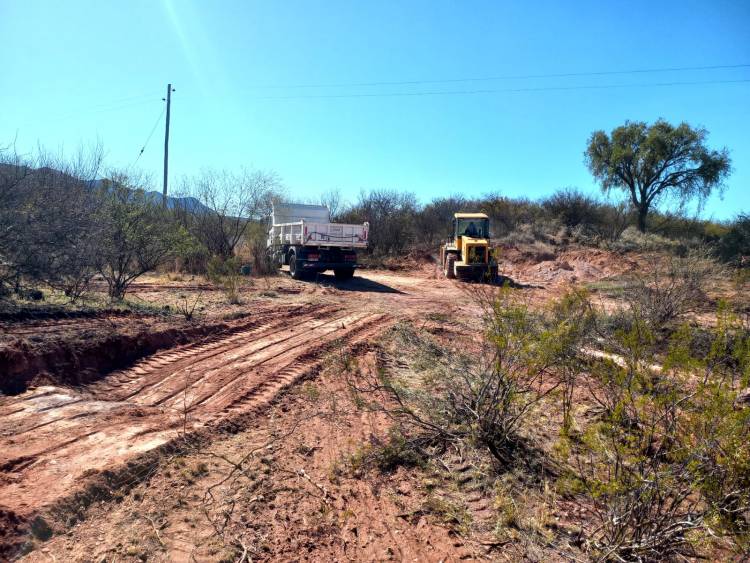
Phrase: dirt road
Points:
(55, 439)
(51, 438)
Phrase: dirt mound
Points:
(67, 363)
(414, 259)
(562, 265)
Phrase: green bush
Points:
(225, 272)
(484, 401)
(668, 462)
(572, 208)
(735, 243)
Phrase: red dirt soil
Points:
(287, 504)
(86, 420)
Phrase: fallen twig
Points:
(156, 531)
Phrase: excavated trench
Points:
(106, 414)
(103, 348)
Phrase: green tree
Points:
(656, 162)
(136, 235)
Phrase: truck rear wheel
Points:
(344, 273)
(294, 269)
(450, 266)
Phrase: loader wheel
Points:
(344, 274)
(294, 271)
(450, 266)
(490, 276)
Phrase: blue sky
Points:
(260, 84)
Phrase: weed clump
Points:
(387, 456)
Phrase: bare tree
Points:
(435, 218)
(14, 169)
(391, 216)
(334, 201)
(67, 230)
(48, 231)
(219, 205)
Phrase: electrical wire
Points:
(151, 134)
(111, 105)
(499, 90)
(507, 77)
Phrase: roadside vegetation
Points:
(68, 223)
(637, 424)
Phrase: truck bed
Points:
(312, 233)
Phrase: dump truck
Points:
(467, 255)
(302, 237)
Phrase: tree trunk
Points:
(117, 290)
(642, 212)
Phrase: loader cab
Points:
(474, 227)
(470, 226)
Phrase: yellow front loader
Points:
(467, 255)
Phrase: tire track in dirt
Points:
(357, 333)
(286, 345)
(147, 373)
(81, 366)
(211, 342)
(52, 438)
(56, 401)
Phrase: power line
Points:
(507, 77)
(111, 105)
(499, 90)
(127, 99)
(151, 134)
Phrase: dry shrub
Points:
(187, 305)
(632, 240)
(672, 286)
(483, 399)
(573, 208)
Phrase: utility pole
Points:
(166, 145)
